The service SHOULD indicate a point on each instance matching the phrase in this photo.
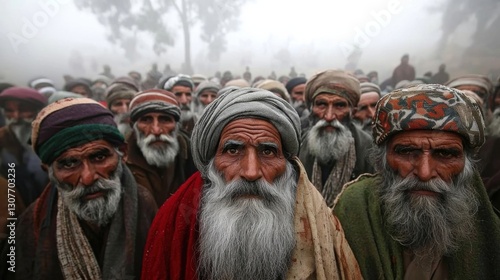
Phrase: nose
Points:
(15, 115)
(250, 167)
(424, 168)
(88, 175)
(156, 129)
(210, 99)
(329, 114)
(183, 99)
(370, 112)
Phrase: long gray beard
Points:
(430, 226)
(159, 156)
(247, 238)
(494, 125)
(98, 211)
(21, 129)
(328, 146)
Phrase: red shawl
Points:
(169, 251)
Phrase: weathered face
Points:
(330, 107)
(250, 149)
(15, 110)
(82, 90)
(120, 106)
(86, 164)
(297, 93)
(426, 154)
(366, 106)
(206, 97)
(156, 124)
(183, 94)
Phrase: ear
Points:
(45, 167)
(124, 149)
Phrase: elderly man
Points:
(425, 215)
(334, 150)
(182, 86)
(118, 97)
(205, 93)
(296, 87)
(370, 94)
(250, 213)
(20, 106)
(92, 219)
(79, 86)
(158, 151)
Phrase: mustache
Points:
(334, 123)
(163, 138)
(412, 183)
(258, 188)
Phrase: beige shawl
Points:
(321, 250)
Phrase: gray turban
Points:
(235, 103)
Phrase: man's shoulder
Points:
(359, 189)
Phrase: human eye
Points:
(232, 148)
(404, 150)
(145, 119)
(68, 163)
(269, 150)
(447, 153)
(100, 155)
(320, 103)
(341, 105)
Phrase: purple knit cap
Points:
(23, 94)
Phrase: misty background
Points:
(52, 38)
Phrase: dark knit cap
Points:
(23, 94)
(69, 123)
(295, 82)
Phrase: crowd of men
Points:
(334, 176)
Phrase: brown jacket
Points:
(161, 182)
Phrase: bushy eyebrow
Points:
(232, 144)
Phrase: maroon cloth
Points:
(24, 94)
(170, 248)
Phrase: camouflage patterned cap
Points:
(429, 107)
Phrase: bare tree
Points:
(125, 19)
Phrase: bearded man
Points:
(159, 153)
(19, 106)
(250, 213)
(334, 150)
(425, 214)
(370, 94)
(205, 93)
(92, 219)
(182, 87)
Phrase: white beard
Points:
(328, 146)
(21, 129)
(159, 156)
(247, 237)
(494, 125)
(99, 210)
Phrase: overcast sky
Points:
(315, 34)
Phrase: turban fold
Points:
(335, 82)
(207, 85)
(241, 83)
(154, 100)
(429, 107)
(179, 80)
(472, 80)
(369, 87)
(234, 103)
(23, 94)
(276, 87)
(69, 123)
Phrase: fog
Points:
(271, 36)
